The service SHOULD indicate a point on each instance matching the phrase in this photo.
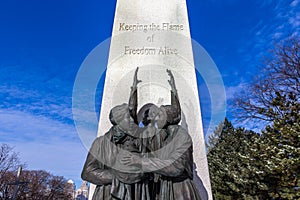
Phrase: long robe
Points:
(96, 171)
(174, 162)
(112, 181)
(101, 168)
(172, 159)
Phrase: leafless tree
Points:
(43, 185)
(9, 159)
(279, 79)
(34, 184)
(9, 162)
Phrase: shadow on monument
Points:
(202, 190)
(199, 183)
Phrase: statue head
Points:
(158, 116)
(173, 115)
(150, 113)
(119, 113)
(143, 114)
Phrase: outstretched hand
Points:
(172, 81)
(135, 79)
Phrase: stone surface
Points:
(154, 35)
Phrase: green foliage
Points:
(246, 165)
(280, 150)
(213, 139)
(233, 168)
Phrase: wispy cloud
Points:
(17, 125)
(32, 90)
(295, 20)
(43, 143)
(295, 3)
(36, 118)
(275, 22)
(285, 20)
(232, 91)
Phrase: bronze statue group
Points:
(145, 155)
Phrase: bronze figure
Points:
(145, 155)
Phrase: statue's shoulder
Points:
(178, 131)
(177, 128)
(107, 136)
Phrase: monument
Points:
(154, 35)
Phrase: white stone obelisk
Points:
(154, 35)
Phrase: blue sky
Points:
(43, 43)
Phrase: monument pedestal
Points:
(154, 35)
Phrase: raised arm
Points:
(174, 94)
(133, 97)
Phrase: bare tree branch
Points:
(280, 75)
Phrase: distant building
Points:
(83, 192)
(71, 188)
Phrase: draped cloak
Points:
(103, 169)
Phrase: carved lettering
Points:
(139, 51)
(166, 26)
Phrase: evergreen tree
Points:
(214, 137)
(274, 98)
(245, 165)
(280, 149)
(234, 171)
